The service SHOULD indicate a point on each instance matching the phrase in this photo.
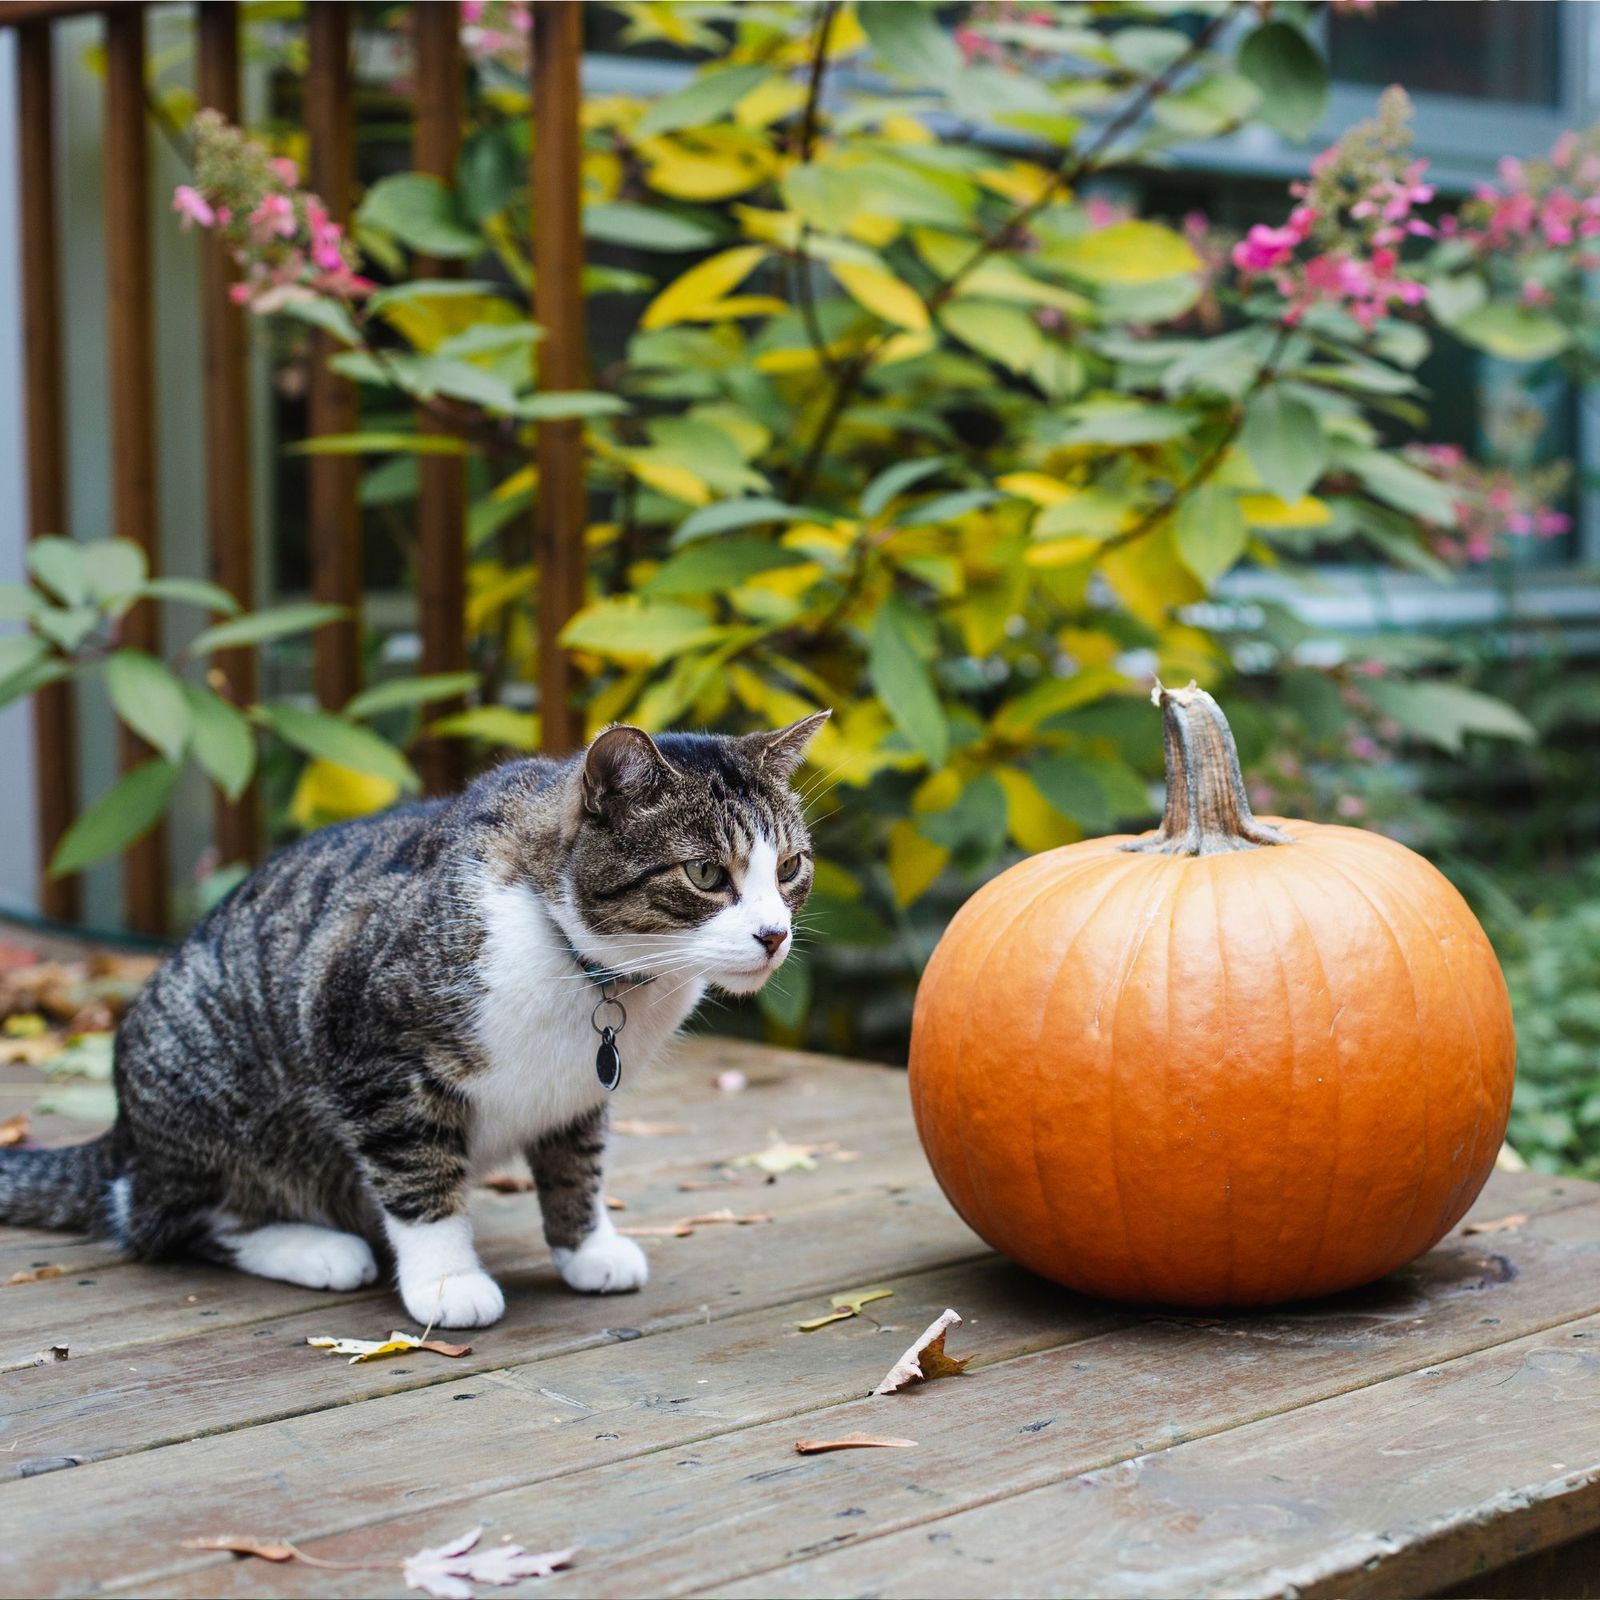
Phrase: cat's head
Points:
(691, 854)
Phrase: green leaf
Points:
(491, 173)
(429, 289)
(33, 675)
(1131, 252)
(1210, 532)
(58, 564)
(489, 339)
(19, 651)
(113, 568)
(327, 316)
(555, 404)
(223, 742)
(1068, 783)
(629, 630)
(910, 42)
(1403, 486)
(895, 480)
(258, 626)
(1292, 77)
(128, 810)
(727, 515)
(1514, 333)
(190, 591)
(346, 744)
(67, 627)
(710, 567)
(150, 698)
(701, 101)
(1124, 422)
(18, 601)
(400, 692)
(902, 681)
(637, 227)
(1282, 436)
(374, 444)
(947, 507)
(785, 1000)
(1445, 713)
(518, 730)
(1006, 334)
(420, 212)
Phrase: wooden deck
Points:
(1397, 1441)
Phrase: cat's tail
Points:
(66, 1187)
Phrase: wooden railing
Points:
(557, 532)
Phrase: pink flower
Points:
(1263, 249)
(193, 207)
(273, 217)
(288, 173)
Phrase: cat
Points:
(392, 1005)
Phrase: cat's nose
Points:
(771, 939)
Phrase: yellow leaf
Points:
(882, 294)
(428, 320)
(780, 228)
(768, 101)
(685, 297)
(1022, 182)
(938, 792)
(1030, 819)
(904, 129)
(1124, 252)
(873, 228)
(396, 1344)
(780, 1157)
(677, 483)
(707, 167)
(626, 629)
(914, 862)
(1149, 579)
(903, 347)
(517, 730)
(327, 792)
(1268, 511)
(799, 358)
(738, 305)
(1061, 552)
(1038, 487)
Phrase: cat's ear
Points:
(621, 766)
(782, 751)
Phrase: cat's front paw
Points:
(605, 1263)
(457, 1300)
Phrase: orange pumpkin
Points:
(1227, 1063)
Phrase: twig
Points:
(800, 262)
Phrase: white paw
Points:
(300, 1252)
(457, 1300)
(605, 1263)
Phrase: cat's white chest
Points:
(536, 1027)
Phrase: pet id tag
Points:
(608, 1060)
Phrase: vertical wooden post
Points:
(55, 745)
(131, 361)
(335, 520)
(441, 511)
(561, 508)
(227, 428)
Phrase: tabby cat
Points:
(390, 1006)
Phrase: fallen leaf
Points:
(926, 1359)
(1509, 1161)
(54, 1353)
(1499, 1225)
(448, 1571)
(846, 1306)
(852, 1441)
(695, 1185)
(684, 1226)
(29, 1052)
(25, 1025)
(396, 1344)
(36, 1274)
(613, 1203)
(780, 1156)
(640, 1129)
(507, 1183)
(242, 1544)
(14, 1130)
(732, 1082)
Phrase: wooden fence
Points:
(559, 516)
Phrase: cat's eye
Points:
(705, 875)
(789, 868)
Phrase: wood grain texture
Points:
(130, 357)
(335, 517)
(230, 535)
(442, 504)
(561, 508)
(55, 737)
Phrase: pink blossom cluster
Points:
(1341, 245)
(1492, 504)
(497, 32)
(282, 236)
(976, 45)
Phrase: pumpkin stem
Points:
(1207, 811)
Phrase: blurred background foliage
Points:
(919, 392)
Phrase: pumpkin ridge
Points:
(1222, 990)
(1423, 1164)
(1477, 1039)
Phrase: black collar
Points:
(602, 977)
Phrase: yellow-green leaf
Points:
(1124, 252)
(688, 296)
(882, 294)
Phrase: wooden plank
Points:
(335, 520)
(130, 356)
(19, 13)
(1397, 1489)
(230, 534)
(561, 508)
(442, 506)
(681, 1521)
(55, 723)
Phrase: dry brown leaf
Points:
(1499, 1225)
(926, 1359)
(852, 1441)
(507, 1183)
(684, 1226)
(244, 1544)
(638, 1128)
(671, 1230)
(696, 1185)
(396, 1344)
(615, 1203)
(14, 1130)
(36, 1274)
(846, 1306)
(443, 1347)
